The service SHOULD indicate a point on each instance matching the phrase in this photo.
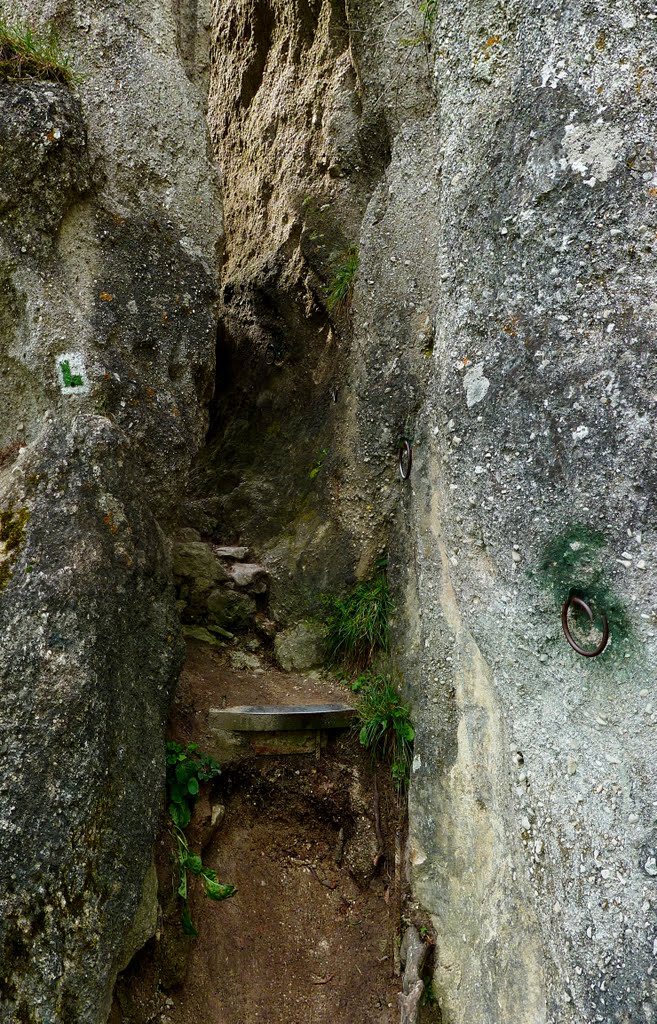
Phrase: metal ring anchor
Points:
(579, 603)
(405, 460)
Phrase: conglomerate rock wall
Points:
(520, 216)
(503, 321)
(110, 234)
(494, 166)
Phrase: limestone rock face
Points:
(502, 321)
(110, 229)
(45, 162)
(301, 647)
(505, 314)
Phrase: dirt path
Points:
(309, 939)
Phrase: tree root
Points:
(413, 954)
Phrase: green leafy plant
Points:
(341, 287)
(319, 462)
(186, 770)
(25, 53)
(358, 624)
(385, 726)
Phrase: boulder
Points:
(195, 560)
(249, 576)
(229, 609)
(301, 647)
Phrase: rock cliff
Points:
(491, 169)
(110, 233)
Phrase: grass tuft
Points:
(341, 288)
(385, 725)
(25, 53)
(358, 624)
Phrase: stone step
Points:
(234, 554)
(249, 576)
(282, 717)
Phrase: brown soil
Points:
(310, 937)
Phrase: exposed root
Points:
(413, 954)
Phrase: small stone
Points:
(249, 576)
(571, 764)
(301, 647)
(516, 556)
(241, 660)
(633, 818)
(199, 633)
(235, 554)
(651, 867)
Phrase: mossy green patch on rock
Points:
(12, 536)
(573, 565)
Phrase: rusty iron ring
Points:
(579, 603)
(405, 451)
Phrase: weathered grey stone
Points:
(515, 219)
(230, 609)
(301, 647)
(242, 660)
(194, 560)
(249, 576)
(231, 553)
(44, 165)
(107, 338)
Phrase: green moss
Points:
(12, 537)
(12, 528)
(574, 565)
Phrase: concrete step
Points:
(282, 717)
(274, 729)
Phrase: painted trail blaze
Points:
(71, 380)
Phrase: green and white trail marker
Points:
(71, 374)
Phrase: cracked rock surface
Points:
(110, 229)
